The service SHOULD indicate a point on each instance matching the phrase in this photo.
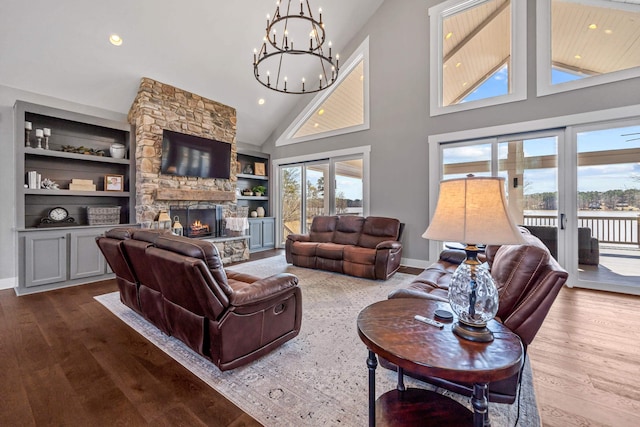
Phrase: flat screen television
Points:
(194, 156)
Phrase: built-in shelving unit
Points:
(249, 161)
(65, 253)
(70, 129)
(261, 229)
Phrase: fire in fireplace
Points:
(198, 229)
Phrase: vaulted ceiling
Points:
(61, 49)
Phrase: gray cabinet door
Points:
(86, 260)
(255, 232)
(269, 233)
(45, 258)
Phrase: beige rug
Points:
(320, 377)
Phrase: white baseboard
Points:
(416, 263)
(8, 283)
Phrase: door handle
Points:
(563, 221)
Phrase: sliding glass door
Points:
(608, 204)
(321, 187)
(576, 188)
(529, 164)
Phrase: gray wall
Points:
(8, 242)
(400, 122)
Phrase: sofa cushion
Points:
(360, 255)
(322, 228)
(330, 251)
(200, 249)
(348, 230)
(515, 269)
(307, 249)
(378, 229)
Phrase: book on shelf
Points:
(82, 185)
(34, 180)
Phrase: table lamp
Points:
(473, 209)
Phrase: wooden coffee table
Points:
(389, 330)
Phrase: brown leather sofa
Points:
(180, 286)
(363, 247)
(528, 280)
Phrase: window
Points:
(343, 108)
(586, 43)
(331, 183)
(478, 54)
(576, 179)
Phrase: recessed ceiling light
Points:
(593, 26)
(261, 101)
(458, 64)
(321, 112)
(608, 31)
(448, 36)
(115, 39)
(577, 56)
(315, 125)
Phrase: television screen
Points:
(188, 155)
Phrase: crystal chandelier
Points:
(283, 66)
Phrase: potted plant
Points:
(259, 190)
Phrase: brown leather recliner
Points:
(179, 285)
(528, 280)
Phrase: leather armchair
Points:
(528, 280)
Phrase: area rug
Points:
(320, 377)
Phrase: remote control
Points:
(428, 321)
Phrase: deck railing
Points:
(607, 229)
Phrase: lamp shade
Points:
(473, 210)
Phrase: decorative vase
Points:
(254, 214)
(260, 211)
(117, 151)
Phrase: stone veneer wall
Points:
(159, 106)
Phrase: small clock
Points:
(57, 216)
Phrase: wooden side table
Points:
(389, 330)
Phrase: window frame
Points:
(518, 56)
(360, 54)
(543, 55)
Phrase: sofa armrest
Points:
(389, 244)
(299, 237)
(263, 289)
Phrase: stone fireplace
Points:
(159, 106)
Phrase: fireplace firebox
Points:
(198, 221)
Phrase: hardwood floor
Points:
(65, 360)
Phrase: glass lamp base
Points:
(473, 333)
